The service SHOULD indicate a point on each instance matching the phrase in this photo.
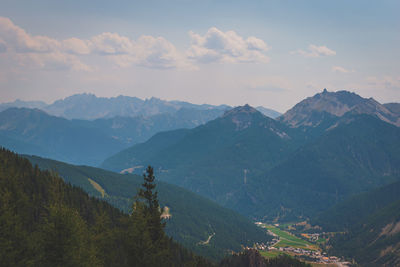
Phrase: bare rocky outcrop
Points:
(311, 110)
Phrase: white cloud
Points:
(315, 51)
(43, 52)
(218, 46)
(76, 46)
(111, 44)
(339, 69)
(36, 51)
(151, 52)
(47, 53)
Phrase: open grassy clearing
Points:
(97, 187)
(271, 254)
(289, 240)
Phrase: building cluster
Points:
(310, 255)
(311, 237)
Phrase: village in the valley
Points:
(305, 248)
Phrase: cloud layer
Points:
(43, 52)
(315, 51)
(46, 52)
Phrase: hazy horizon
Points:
(264, 53)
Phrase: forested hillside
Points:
(45, 222)
(193, 218)
(369, 224)
(358, 153)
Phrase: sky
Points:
(261, 52)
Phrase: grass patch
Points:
(97, 187)
(289, 240)
(271, 253)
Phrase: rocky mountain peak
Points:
(246, 109)
(243, 116)
(337, 104)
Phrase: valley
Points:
(319, 164)
(186, 133)
(290, 244)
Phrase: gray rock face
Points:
(337, 104)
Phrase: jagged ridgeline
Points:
(194, 221)
(46, 222)
(267, 169)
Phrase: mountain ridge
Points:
(336, 103)
(88, 106)
(258, 166)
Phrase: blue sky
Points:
(270, 53)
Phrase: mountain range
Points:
(333, 159)
(276, 169)
(85, 129)
(89, 107)
(33, 131)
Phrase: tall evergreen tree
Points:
(152, 208)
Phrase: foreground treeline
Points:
(45, 222)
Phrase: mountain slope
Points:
(269, 112)
(56, 137)
(46, 222)
(337, 103)
(193, 220)
(371, 222)
(393, 107)
(133, 130)
(264, 169)
(217, 159)
(88, 142)
(242, 139)
(357, 154)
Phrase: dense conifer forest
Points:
(45, 222)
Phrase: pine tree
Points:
(146, 216)
(152, 207)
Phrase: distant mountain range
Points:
(22, 104)
(90, 107)
(269, 169)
